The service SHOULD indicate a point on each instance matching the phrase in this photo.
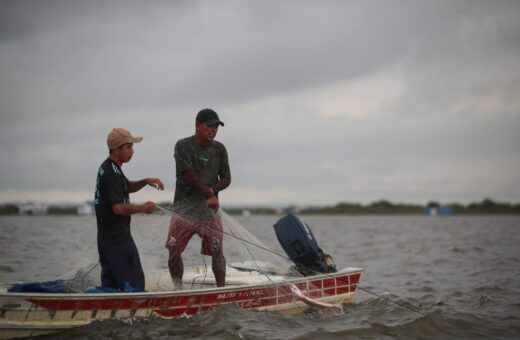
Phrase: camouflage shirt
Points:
(210, 163)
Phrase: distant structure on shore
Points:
(436, 211)
(38, 209)
(31, 208)
(86, 208)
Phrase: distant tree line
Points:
(57, 210)
(253, 211)
(384, 207)
(378, 207)
(13, 209)
(9, 209)
(486, 206)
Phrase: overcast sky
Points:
(323, 101)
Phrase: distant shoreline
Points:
(382, 207)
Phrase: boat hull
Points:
(26, 314)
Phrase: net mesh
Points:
(248, 259)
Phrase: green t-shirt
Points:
(210, 163)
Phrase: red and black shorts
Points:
(182, 229)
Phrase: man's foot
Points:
(177, 284)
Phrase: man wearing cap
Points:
(118, 255)
(202, 171)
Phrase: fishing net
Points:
(248, 260)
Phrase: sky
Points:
(323, 101)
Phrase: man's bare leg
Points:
(218, 264)
(176, 267)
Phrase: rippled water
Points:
(461, 275)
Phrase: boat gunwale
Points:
(137, 295)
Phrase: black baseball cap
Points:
(209, 117)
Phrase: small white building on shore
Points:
(32, 208)
(86, 208)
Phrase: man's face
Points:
(207, 132)
(125, 152)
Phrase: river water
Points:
(426, 277)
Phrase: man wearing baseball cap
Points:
(202, 171)
(120, 264)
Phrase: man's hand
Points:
(155, 182)
(149, 207)
(213, 202)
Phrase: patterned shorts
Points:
(182, 230)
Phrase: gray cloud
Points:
(437, 120)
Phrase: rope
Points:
(389, 300)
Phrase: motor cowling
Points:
(298, 241)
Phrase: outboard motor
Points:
(300, 244)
